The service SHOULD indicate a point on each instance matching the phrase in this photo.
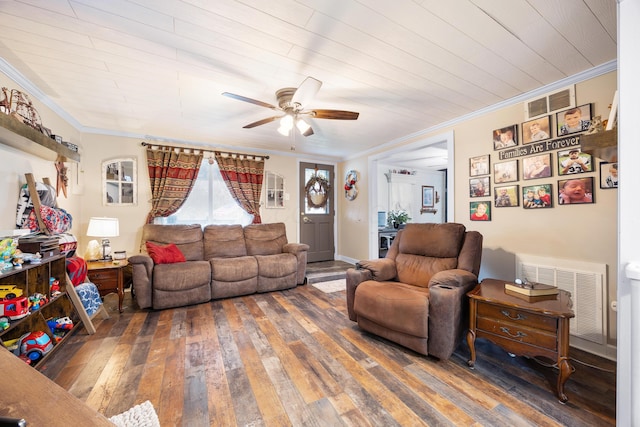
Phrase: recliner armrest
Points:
(295, 248)
(381, 269)
(454, 278)
(354, 278)
(143, 259)
(142, 277)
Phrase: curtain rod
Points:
(149, 144)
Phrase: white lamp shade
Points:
(103, 227)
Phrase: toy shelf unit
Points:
(40, 303)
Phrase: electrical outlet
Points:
(614, 305)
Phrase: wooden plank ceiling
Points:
(156, 69)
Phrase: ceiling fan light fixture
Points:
(302, 126)
(286, 124)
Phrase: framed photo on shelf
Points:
(505, 137)
(507, 196)
(573, 161)
(480, 211)
(535, 167)
(536, 130)
(608, 175)
(428, 196)
(480, 187)
(505, 171)
(573, 120)
(479, 165)
(575, 191)
(537, 196)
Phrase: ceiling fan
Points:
(292, 110)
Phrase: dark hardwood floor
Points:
(294, 358)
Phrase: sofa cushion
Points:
(432, 240)
(265, 239)
(182, 276)
(233, 269)
(224, 241)
(169, 254)
(188, 238)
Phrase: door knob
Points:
(306, 220)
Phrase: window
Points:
(119, 182)
(209, 202)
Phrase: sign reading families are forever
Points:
(540, 147)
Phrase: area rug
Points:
(142, 415)
(331, 286)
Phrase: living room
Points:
(588, 233)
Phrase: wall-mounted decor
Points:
(574, 161)
(608, 175)
(536, 130)
(505, 172)
(537, 196)
(573, 120)
(505, 137)
(350, 190)
(274, 190)
(575, 190)
(428, 196)
(119, 181)
(480, 187)
(480, 211)
(507, 196)
(479, 165)
(535, 167)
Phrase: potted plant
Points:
(398, 217)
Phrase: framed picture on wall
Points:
(479, 187)
(505, 137)
(428, 196)
(573, 120)
(507, 196)
(535, 167)
(479, 165)
(480, 211)
(537, 196)
(573, 161)
(575, 191)
(536, 130)
(505, 172)
(608, 175)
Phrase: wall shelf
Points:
(15, 134)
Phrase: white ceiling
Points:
(155, 69)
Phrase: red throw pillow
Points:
(164, 254)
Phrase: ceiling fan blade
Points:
(306, 91)
(334, 114)
(252, 101)
(309, 132)
(261, 122)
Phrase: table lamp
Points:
(104, 228)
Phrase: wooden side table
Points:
(108, 277)
(537, 326)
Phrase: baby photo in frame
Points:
(575, 191)
(608, 175)
(535, 167)
(536, 130)
(505, 172)
(574, 120)
(479, 187)
(573, 161)
(505, 137)
(479, 165)
(480, 211)
(537, 196)
(506, 197)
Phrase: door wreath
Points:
(350, 190)
(317, 191)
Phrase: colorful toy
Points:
(15, 308)
(60, 323)
(36, 301)
(54, 287)
(4, 323)
(9, 292)
(34, 345)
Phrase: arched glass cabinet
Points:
(119, 181)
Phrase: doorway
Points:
(317, 210)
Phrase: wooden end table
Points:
(108, 277)
(536, 326)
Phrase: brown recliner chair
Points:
(416, 295)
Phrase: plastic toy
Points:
(4, 323)
(9, 291)
(54, 286)
(36, 301)
(15, 308)
(34, 345)
(60, 323)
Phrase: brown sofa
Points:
(221, 261)
(415, 296)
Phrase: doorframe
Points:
(373, 160)
(335, 198)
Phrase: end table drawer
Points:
(104, 279)
(525, 318)
(518, 333)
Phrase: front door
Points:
(317, 210)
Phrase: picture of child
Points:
(480, 211)
(537, 196)
(577, 190)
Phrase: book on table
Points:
(532, 289)
(531, 299)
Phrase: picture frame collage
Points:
(520, 181)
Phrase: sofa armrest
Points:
(354, 278)
(142, 277)
(300, 251)
(448, 310)
(381, 269)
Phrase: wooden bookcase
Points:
(34, 278)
